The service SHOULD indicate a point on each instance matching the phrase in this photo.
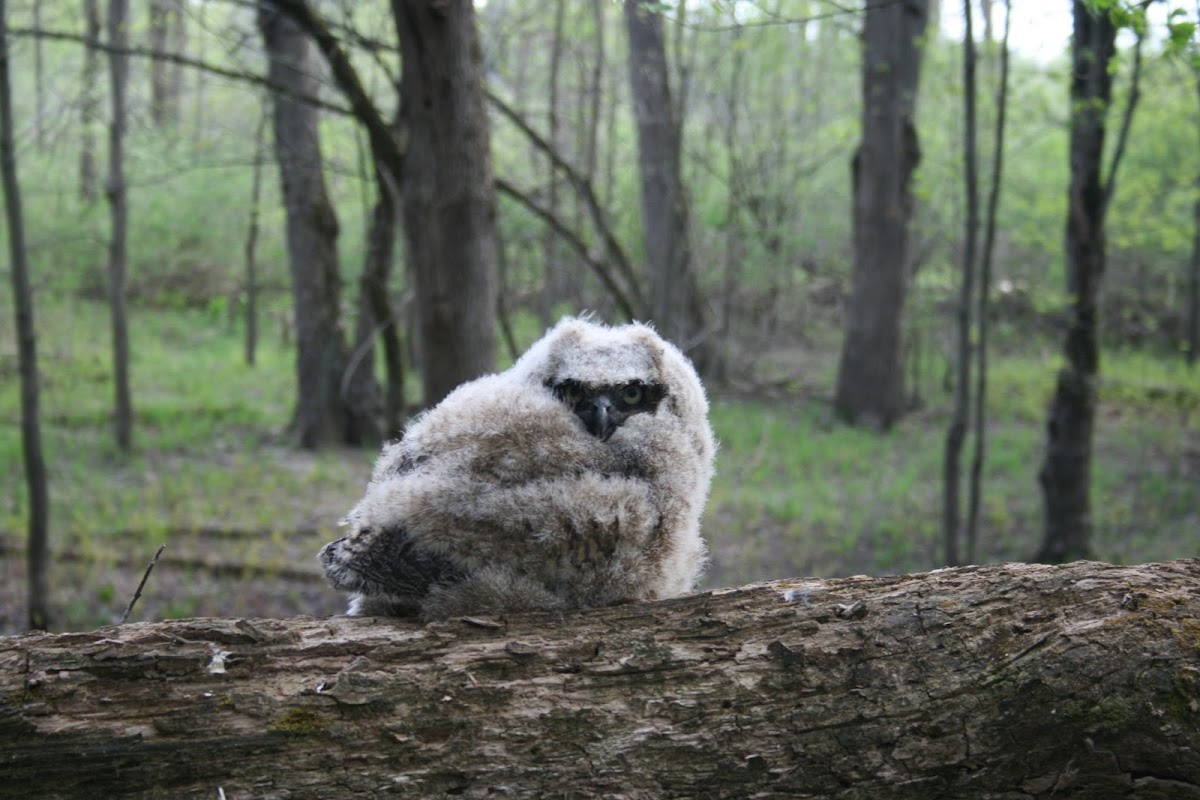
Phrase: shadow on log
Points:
(1014, 681)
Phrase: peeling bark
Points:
(1016, 680)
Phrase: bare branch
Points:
(1135, 94)
(174, 58)
(385, 145)
(572, 238)
(137, 594)
(584, 188)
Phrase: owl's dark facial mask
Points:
(603, 409)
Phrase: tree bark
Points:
(376, 304)
(159, 24)
(178, 42)
(1003, 681)
(118, 38)
(957, 431)
(89, 103)
(323, 414)
(975, 489)
(870, 382)
(166, 27)
(1065, 475)
(37, 538)
(553, 269)
(39, 80)
(674, 293)
(448, 196)
(1193, 287)
(1192, 312)
(251, 246)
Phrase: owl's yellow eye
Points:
(632, 394)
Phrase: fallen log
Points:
(1009, 681)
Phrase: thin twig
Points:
(142, 585)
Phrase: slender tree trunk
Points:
(39, 80)
(359, 380)
(734, 202)
(376, 303)
(199, 95)
(178, 41)
(664, 203)
(955, 435)
(448, 196)
(870, 382)
(323, 415)
(553, 277)
(985, 288)
(1193, 291)
(591, 104)
(260, 157)
(118, 38)
(89, 103)
(160, 18)
(985, 7)
(595, 93)
(37, 541)
(1008, 681)
(1065, 475)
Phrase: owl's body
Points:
(574, 479)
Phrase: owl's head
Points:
(608, 375)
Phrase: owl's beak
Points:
(596, 414)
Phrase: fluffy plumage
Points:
(574, 479)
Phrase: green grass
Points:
(798, 494)
(795, 492)
(210, 448)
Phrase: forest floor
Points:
(243, 514)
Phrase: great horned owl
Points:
(574, 479)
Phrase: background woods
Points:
(313, 219)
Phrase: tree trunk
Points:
(1193, 288)
(167, 34)
(448, 196)
(323, 415)
(985, 290)
(251, 248)
(735, 200)
(595, 93)
(1004, 681)
(1192, 313)
(37, 541)
(378, 245)
(553, 270)
(956, 433)
(118, 59)
(376, 302)
(1065, 475)
(870, 383)
(985, 8)
(39, 80)
(178, 41)
(199, 96)
(664, 204)
(160, 17)
(89, 103)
